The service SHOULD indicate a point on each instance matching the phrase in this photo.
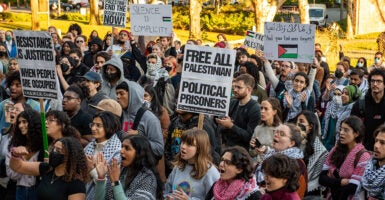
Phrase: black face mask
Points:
(3, 53)
(55, 159)
(121, 42)
(64, 67)
(111, 77)
(338, 73)
(167, 68)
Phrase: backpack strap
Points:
(358, 156)
(138, 117)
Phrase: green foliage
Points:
(74, 17)
(230, 20)
(10, 16)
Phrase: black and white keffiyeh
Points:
(373, 179)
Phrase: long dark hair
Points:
(341, 150)
(156, 106)
(64, 121)
(144, 158)
(33, 140)
(311, 136)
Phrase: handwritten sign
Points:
(115, 13)
(289, 41)
(151, 20)
(35, 54)
(254, 40)
(206, 80)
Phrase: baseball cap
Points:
(93, 76)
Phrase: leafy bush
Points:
(74, 17)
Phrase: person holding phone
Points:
(270, 119)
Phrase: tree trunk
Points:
(349, 16)
(265, 12)
(303, 6)
(195, 21)
(94, 13)
(43, 6)
(34, 15)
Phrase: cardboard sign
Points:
(37, 64)
(115, 13)
(289, 42)
(254, 40)
(206, 80)
(151, 20)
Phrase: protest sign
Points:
(151, 20)
(207, 76)
(254, 40)
(289, 42)
(35, 54)
(115, 13)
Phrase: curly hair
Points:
(202, 158)
(75, 159)
(76, 27)
(64, 121)
(33, 140)
(281, 166)
(242, 160)
(342, 150)
(12, 76)
(144, 158)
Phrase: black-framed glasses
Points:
(227, 162)
(69, 98)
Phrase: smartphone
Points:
(257, 143)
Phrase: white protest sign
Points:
(289, 42)
(207, 76)
(35, 54)
(151, 20)
(115, 13)
(254, 40)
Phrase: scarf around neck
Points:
(374, 179)
(292, 152)
(237, 189)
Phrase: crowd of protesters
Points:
(293, 130)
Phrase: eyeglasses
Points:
(50, 120)
(280, 133)
(69, 98)
(373, 81)
(227, 162)
(10, 64)
(79, 41)
(97, 125)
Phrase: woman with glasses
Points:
(58, 125)
(103, 127)
(287, 140)
(314, 151)
(63, 177)
(80, 42)
(27, 134)
(237, 180)
(346, 162)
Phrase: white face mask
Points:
(323, 59)
(147, 103)
(337, 100)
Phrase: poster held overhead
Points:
(115, 13)
(151, 20)
(207, 75)
(254, 40)
(289, 42)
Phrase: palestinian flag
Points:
(288, 51)
(166, 19)
(250, 34)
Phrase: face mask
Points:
(2, 53)
(64, 67)
(147, 104)
(151, 69)
(338, 73)
(360, 64)
(168, 68)
(55, 159)
(111, 77)
(323, 59)
(337, 100)
(8, 38)
(377, 60)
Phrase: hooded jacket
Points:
(88, 58)
(149, 124)
(107, 87)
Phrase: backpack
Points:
(138, 117)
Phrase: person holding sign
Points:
(244, 114)
(123, 44)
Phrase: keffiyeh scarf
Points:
(374, 179)
(238, 189)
